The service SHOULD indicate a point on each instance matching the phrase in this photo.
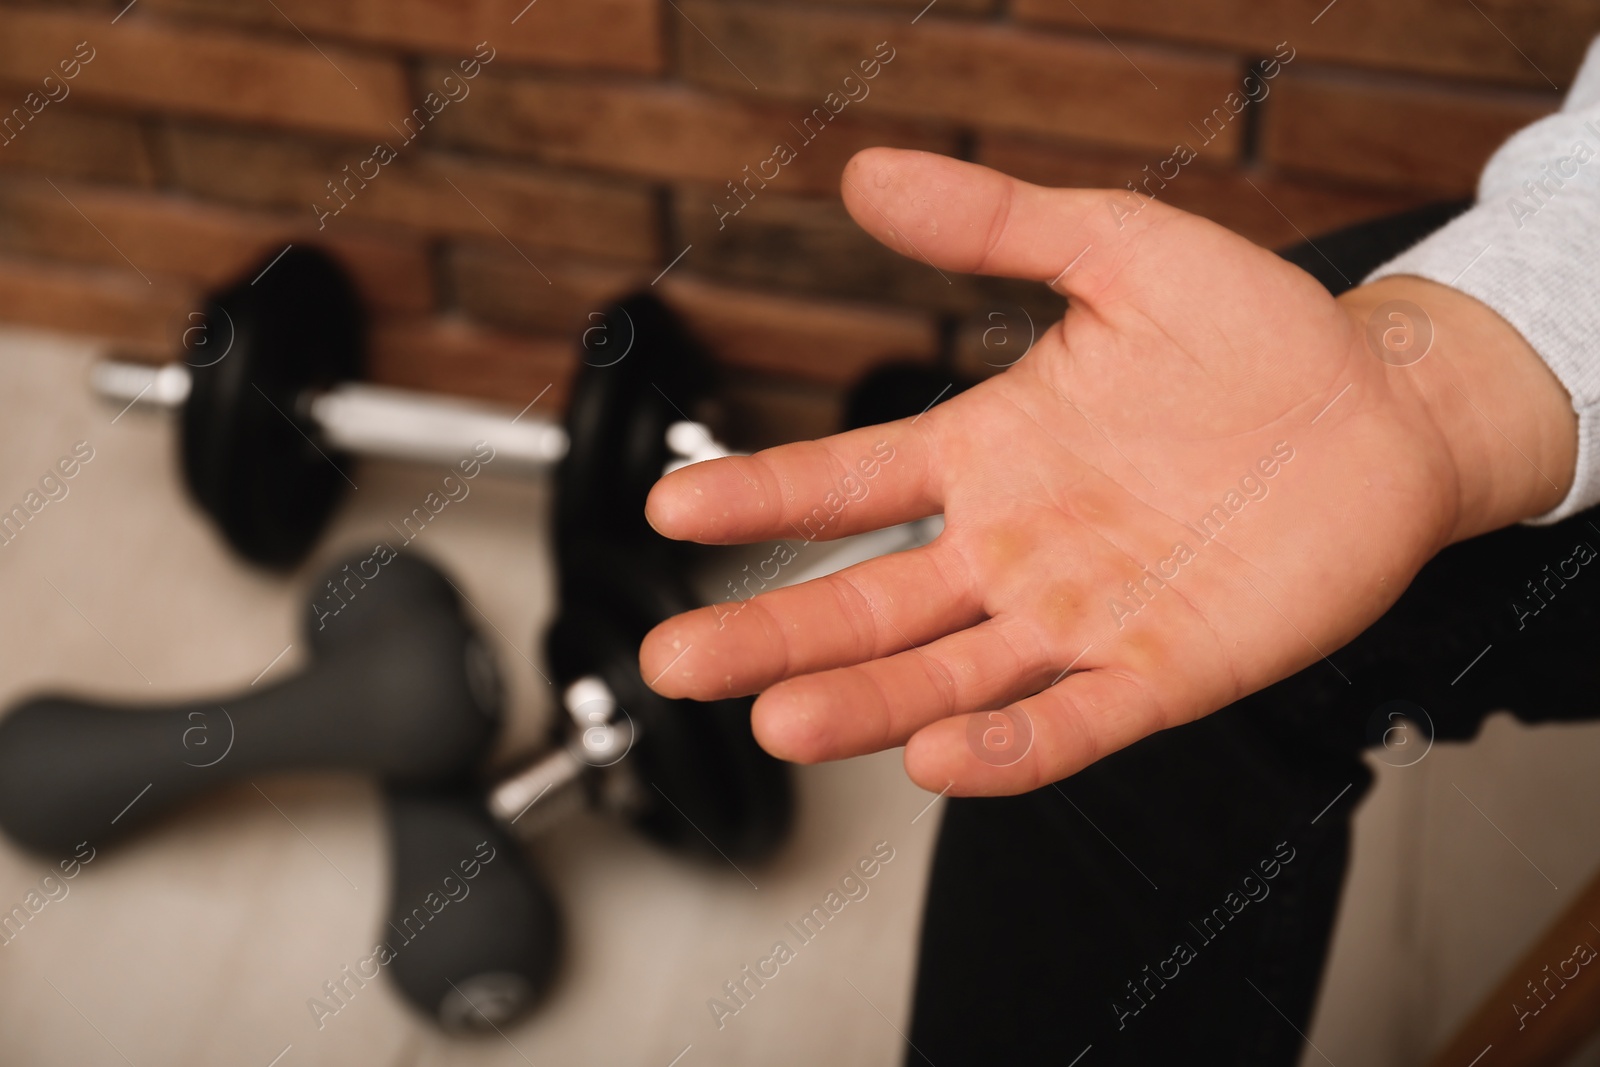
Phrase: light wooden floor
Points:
(1461, 860)
(201, 941)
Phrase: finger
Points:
(879, 704)
(814, 490)
(1086, 716)
(964, 217)
(872, 609)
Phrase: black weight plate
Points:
(641, 372)
(898, 391)
(248, 454)
(709, 788)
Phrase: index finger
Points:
(849, 483)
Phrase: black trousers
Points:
(1178, 897)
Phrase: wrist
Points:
(1498, 412)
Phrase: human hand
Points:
(1200, 481)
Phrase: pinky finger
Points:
(1036, 741)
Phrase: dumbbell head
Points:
(472, 936)
(641, 372)
(247, 448)
(688, 775)
(898, 391)
(693, 778)
(399, 686)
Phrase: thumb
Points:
(968, 218)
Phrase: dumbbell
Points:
(688, 775)
(272, 408)
(400, 687)
(694, 779)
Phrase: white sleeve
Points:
(1530, 249)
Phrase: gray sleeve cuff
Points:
(1530, 249)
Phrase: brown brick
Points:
(622, 35)
(986, 75)
(68, 141)
(826, 342)
(811, 245)
(1272, 210)
(1403, 134)
(938, 8)
(1427, 36)
(428, 192)
(453, 356)
(142, 63)
(547, 294)
(161, 236)
(820, 341)
(660, 131)
(98, 302)
(107, 7)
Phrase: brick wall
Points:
(597, 142)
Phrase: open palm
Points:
(1200, 481)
